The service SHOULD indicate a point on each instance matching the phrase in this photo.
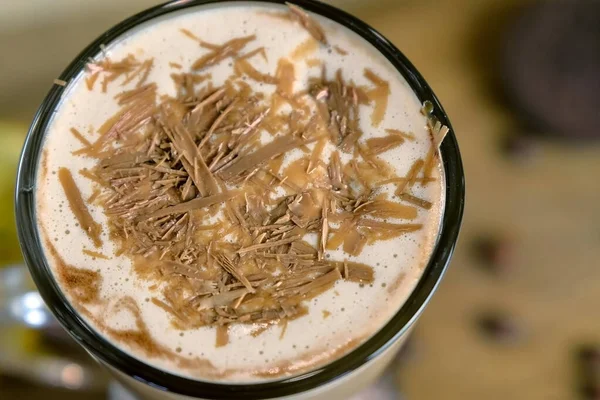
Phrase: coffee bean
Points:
(494, 253)
(499, 328)
(590, 392)
(550, 67)
(589, 365)
(590, 356)
(520, 148)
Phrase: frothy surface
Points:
(340, 318)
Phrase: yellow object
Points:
(11, 140)
(20, 340)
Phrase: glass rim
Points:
(102, 349)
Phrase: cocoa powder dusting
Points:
(82, 284)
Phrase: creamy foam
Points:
(339, 319)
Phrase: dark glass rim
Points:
(103, 350)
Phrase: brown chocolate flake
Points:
(304, 49)
(340, 235)
(224, 262)
(78, 207)
(387, 226)
(80, 137)
(251, 161)
(284, 325)
(411, 177)
(222, 335)
(261, 50)
(313, 62)
(379, 95)
(355, 272)
(129, 67)
(377, 230)
(312, 26)
(386, 209)
(244, 67)
(335, 172)
(382, 144)
(201, 42)
(406, 135)
(142, 72)
(228, 49)
(337, 106)
(90, 81)
(339, 50)
(324, 234)
(186, 83)
(192, 159)
(195, 204)
(286, 76)
(438, 133)
(95, 254)
(269, 245)
(415, 200)
(354, 243)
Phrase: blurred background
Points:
(517, 316)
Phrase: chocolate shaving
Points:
(404, 228)
(340, 236)
(194, 204)
(244, 67)
(201, 42)
(80, 137)
(324, 234)
(192, 160)
(415, 200)
(304, 49)
(269, 245)
(340, 51)
(251, 161)
(379, 95)
(354, 243)
(250, 54)
(406, 135)
(411, 177)
(222, 335)
(95, 254)
(231, 268)
(78, 207)
(312, 26)
(228, 49)
(355, 272)
(382, 144)
(386, 209)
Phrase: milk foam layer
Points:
(353, 313)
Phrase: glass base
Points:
(383, 389)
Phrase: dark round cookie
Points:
(551, 67)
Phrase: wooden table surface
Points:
(550, 206)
